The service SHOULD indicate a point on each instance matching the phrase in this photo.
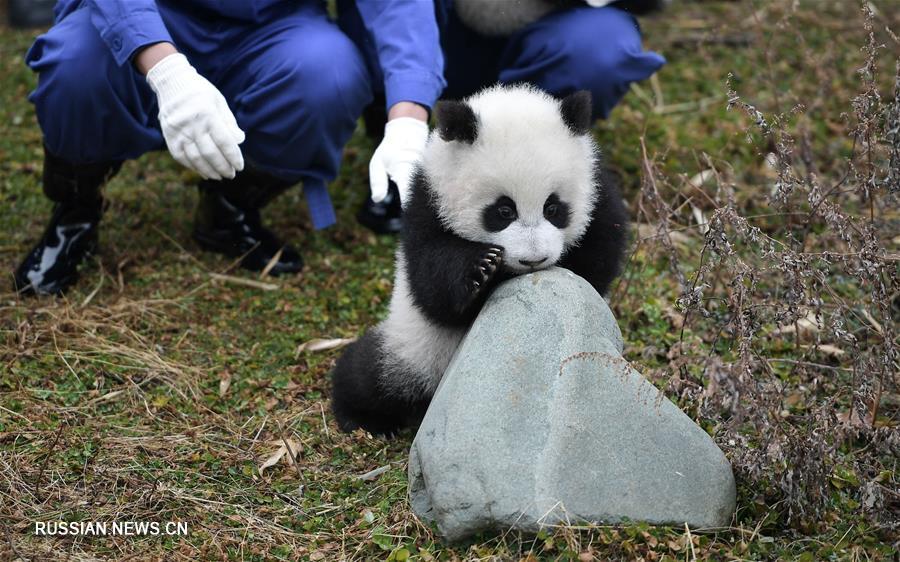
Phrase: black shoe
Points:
(385, 217)
(51, 266)
(228, 222)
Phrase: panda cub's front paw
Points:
(485, 269)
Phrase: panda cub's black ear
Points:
(577, 111)
(456, 121)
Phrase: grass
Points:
(155, 391)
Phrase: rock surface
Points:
(540, 421)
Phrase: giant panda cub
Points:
(510, 182)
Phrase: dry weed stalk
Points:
(818, 270)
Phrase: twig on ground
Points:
(245, 282)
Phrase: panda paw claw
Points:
(485, 269)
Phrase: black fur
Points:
(357, 398)
(456, 121)
(577, 112)
(448, 276)
(598, 256)
(491, 218)
(557, 211)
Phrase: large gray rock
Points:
(540, 421)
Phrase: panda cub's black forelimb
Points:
(449, 277)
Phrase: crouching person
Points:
(254, 96)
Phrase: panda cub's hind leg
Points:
(358, 396)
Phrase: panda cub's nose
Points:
(533, 263)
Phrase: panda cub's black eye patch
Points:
(499, 214)
(556, 211)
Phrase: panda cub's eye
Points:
(556, 211)
(499, 214)
(506, 212)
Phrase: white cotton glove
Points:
(403, 144)
(199, 129)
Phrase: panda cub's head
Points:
(514, 167)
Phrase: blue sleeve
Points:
(405, 34)
(127, 25)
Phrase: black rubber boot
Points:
(228, 222)
(385, 217)
(52, 265)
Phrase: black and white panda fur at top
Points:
(510, 182)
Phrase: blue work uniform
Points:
(294, 81)
(578, 48)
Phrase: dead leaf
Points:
(281, 453)
(651, 231)
(676, 319)
(700, 219)
(373, 474)
(852, 418)
(322, 345)
(109, 396)
(224, 383)
(701, 178)
(245, 282)
(872, 321)
(807, 326)
(826, 348)
(273, 460)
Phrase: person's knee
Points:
(607, 66)
(77, 98)
(315, 92)
(73, 64)
(594, 49)
(331, 79)
(619, 49)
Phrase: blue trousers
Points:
(582, 48)
(296, 86)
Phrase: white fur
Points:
(418, 351)
(524, 150)
(500, 17)
(524, 242)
